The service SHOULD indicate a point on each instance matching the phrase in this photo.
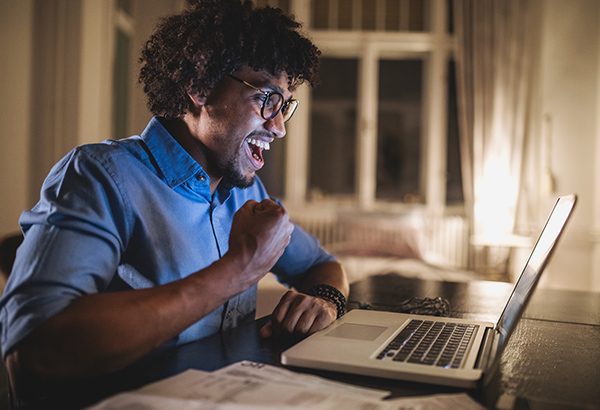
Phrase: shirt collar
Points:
(173, 160)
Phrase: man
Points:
(159, 239)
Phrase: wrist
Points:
(241, 252)
(232, 267)
(332, 295)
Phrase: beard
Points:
(232, 174)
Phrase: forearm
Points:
(101, 333)
(328, 273)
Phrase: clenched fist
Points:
(260, 232)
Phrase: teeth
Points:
(261, 144)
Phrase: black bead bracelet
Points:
(332, 295)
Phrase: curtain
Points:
(495, 52)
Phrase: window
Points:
(367, 15)
(399, 147)
(332, 154)
(381, 127)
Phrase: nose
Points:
(276, 125)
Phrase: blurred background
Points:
(435, 145)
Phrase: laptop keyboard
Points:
(430, 343)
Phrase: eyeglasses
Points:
(273, 103)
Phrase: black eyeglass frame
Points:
(283, 107)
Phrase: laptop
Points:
(428, 349)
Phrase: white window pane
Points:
(399, 130)
(333, 129)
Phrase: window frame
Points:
(434, 47)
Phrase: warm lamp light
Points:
(495, 202)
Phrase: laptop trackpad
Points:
(354, 331)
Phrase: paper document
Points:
(249, 385)
(261, 371)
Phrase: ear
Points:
(197, 99)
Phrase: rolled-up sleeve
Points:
(303, 252)
(74, 238)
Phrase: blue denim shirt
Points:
(133, 213)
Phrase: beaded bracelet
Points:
(332, 295)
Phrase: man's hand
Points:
(260, 232)
(299, 314)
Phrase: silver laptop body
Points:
(385, 344)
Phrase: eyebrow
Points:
(268, 84)
(271, 87)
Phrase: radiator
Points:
(447, 241)
(440, 240)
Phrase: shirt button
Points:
(200, 177)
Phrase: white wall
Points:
(569, 96)
(16, 23)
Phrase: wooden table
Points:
(552, 359)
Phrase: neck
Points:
(183, 131)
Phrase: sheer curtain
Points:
(495, 52)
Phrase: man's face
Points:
(233, 132)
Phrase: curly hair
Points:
(194, 50)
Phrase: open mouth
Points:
(255, 151)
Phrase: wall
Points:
(569, 95)
(95, 62)
(16, 27)
(146, 16)
(56, 89)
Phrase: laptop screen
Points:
(536, 263)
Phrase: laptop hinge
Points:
(485, 348)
